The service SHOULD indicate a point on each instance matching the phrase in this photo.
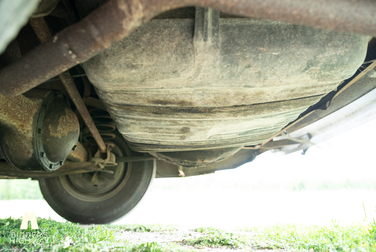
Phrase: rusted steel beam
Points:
(10, 172)
(118, 18)
(69, 85)
(41, 29)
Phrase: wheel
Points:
(99, 197)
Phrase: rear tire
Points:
(80, 198)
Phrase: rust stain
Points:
(68, 123)
(71, 88)
(20, 147)
(41, 29)
(18, 112)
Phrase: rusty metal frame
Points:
(69, 167)
(40, 28)
(9, 172)
(118, 18)
(69, 85)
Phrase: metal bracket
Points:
(206, 38)
(105, 159)
(304, 139)
(207, 26)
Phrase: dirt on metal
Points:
(69, 85)
(41, 30)
(17, 113)
(67, 124)
(79, 154)
(118, 18)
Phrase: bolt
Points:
(42, 154)
(61, 162)
(51, 166)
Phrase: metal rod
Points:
(73, 76)
(134, 159)
(96, 103)
(71, 88)
(41, 29)
(8, 171)
(118, 18)
(360, 75)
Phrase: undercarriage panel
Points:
(184, 84)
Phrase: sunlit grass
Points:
(66, 236)
(216, 238)
(56, 236)
(143, 228)
(357, 237)
(158, 247)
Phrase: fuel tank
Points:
(209, 82)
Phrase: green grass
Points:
(56, 236)
(158, 247)
(358, 237)
(216, 238)
(66, 236)
(148, 247)
(143, 228)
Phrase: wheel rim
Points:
(98, 186)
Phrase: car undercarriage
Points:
(99, 97)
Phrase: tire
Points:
(78, 199)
